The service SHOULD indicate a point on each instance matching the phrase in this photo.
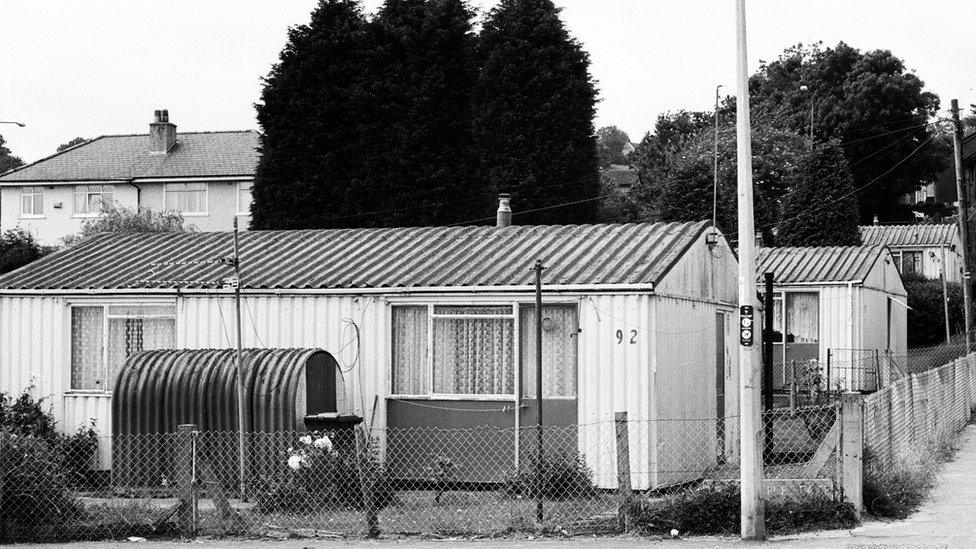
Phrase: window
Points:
(474, 350)
(32, 202)
(187, 198)
(908, 262)
(102, 337)
(244, 197)
(802, 317)
(560, 329)
(89, 199)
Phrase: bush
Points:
(17, 248)
(119, 219)
(317, 476)
(715, 509)
(35, 484)
(26, 417)
(926, 316)
(563, 477)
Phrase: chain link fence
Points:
(919, 410)
(422, 481)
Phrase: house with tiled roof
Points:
(206, 176)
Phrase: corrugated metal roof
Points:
(941, 234)
(818, 264)
(370, 258)
(112, 157)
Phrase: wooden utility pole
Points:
(963, 214)
(750, 360)
(715, 163)
(538, 389)
(239, 360)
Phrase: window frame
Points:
(780, 295)
(104, 190)
(169, 188)
(514, 307)
(106, 318)
(32, 192)
(238, 197)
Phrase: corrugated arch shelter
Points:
(155, 391)
(433, 328)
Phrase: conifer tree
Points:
(311, 113)
(534, 104)
(821, 207)
(422, 70)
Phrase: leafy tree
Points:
(18, 247)
(610, 144)
(969, 121)
(672, 130)
(534, 104)
(821, 208)
(72, 143)
(312, 113)
(676, 175)
(119, 219)
(868, 101)
(421, 74)
(7, 160)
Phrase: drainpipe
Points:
(138, 194)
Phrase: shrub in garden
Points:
(35, 486)
(316, 476)
(926, 313)
(26, 416)
(562, 477)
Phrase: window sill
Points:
(84, 216)
(195, 214)
(23, 216)
(480, 398)
(88, 392)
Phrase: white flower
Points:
(323, 443)
(295, 462)
(305, 440)
(674, 532)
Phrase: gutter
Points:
(553, 288)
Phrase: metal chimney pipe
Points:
(503, 217)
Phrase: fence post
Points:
(624, 488)
(184, 468)
(852, 442)
(367, 480)
(792, 369)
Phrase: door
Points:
(560, 334)
(720, 383)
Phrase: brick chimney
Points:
(503, 217)
(162, 134)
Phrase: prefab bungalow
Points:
(926, 250)
(432, 328)
(847, 303)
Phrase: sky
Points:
(89, 68)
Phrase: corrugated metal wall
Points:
(615, 374)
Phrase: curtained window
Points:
(560, 329)
(410, 371)
(802, 317)
(103, 337)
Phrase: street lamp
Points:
(21, 124)
(806, 89)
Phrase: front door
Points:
(720, 383)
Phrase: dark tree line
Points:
(412, 118)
